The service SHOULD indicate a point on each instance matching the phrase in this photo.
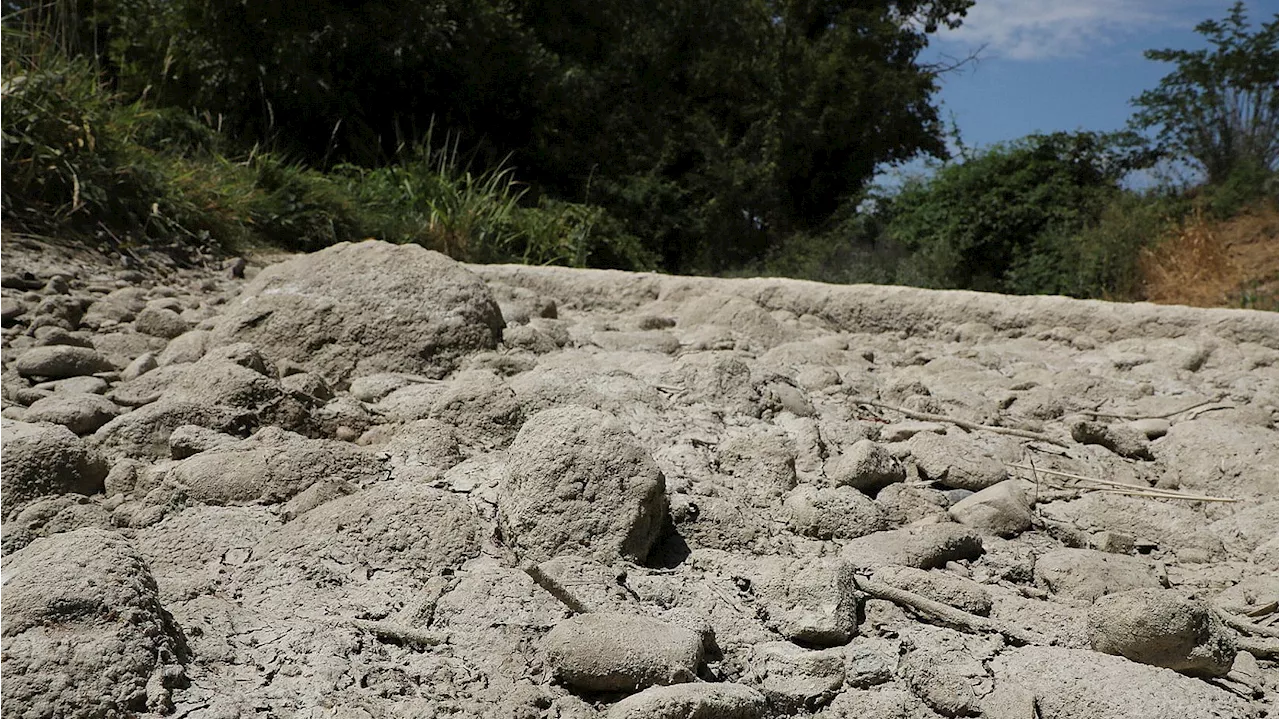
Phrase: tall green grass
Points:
(80, 162)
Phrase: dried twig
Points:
(557, 589)
(1114, 487)
(948, 614)
(1135, 417)
(964, 424)
(405, 635)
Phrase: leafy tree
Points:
(971, 223)
(1218, 109)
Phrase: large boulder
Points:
(84, 632)
(43, 459)
(367, 307)
(578, 483)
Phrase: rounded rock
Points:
(1162, 628)
(619, 652)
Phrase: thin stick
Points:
(946, 613)
(1166, 415)
(1264, 609)
(407, 635)
(1134, 489)
(1166, 495)
(926, 417)
(558, 590)
(1244, 626)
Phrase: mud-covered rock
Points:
(1162, 628)
(44, 459)
(79, 412)
(833, 512)
(1002, 509)
(84, 632)
(866, 466)
(793, 678)
(367, 307)
(923, 547)
(619, 652)
(578, 483)
(56, 361)
(954, 463)
(1088, 574)
(692, 701)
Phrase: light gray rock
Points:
(186, 347)
(271, 466)
(692, 701)
(425, 442)
(793, 678)
(577, 483)
(1088, 574)
(42, 459)
(52, 515)
(144, 432)
(76, 385)
(833, 512)
(954, 463)
(1073, 683)
(887, 703)
(141, 365)
(373, 387)
(354, 309)
(908, 503)
(146, 388)
(810, 600)
(1162, 628)
(923, 547)
(482, 407)
(619, 652)
(946, 672)
(1002, 509)
(192, 439)
(870, 662)
(57, 361)
(940, 586)
(84, 632)
(160, 322)
(866, 466)
(80, 413)
(1122, 439)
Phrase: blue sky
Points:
(1048, 65)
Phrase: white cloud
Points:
(1044, 29)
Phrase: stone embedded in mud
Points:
(144, 432)
(793, 678)
(1002, 509)
(42, 459)
(619, 652)
(58, 361)
(366, 307)
(577, 483)
(1074, 683)
(866, 466)
(1162, 628)
(1122, 439)
(833, 512)
(954, 462)
(692, 701)
(79, 412)
(940, 586)
(271, 466)
(160, 322)
(810, 600)
(1088, 574)
(924, 547)
(84, 632)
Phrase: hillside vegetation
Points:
(505, 132)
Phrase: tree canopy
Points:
(1218, 108)
(709, 127)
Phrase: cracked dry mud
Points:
(372, 482)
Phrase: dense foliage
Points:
(709, 127)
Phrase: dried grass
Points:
(1205, 263)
